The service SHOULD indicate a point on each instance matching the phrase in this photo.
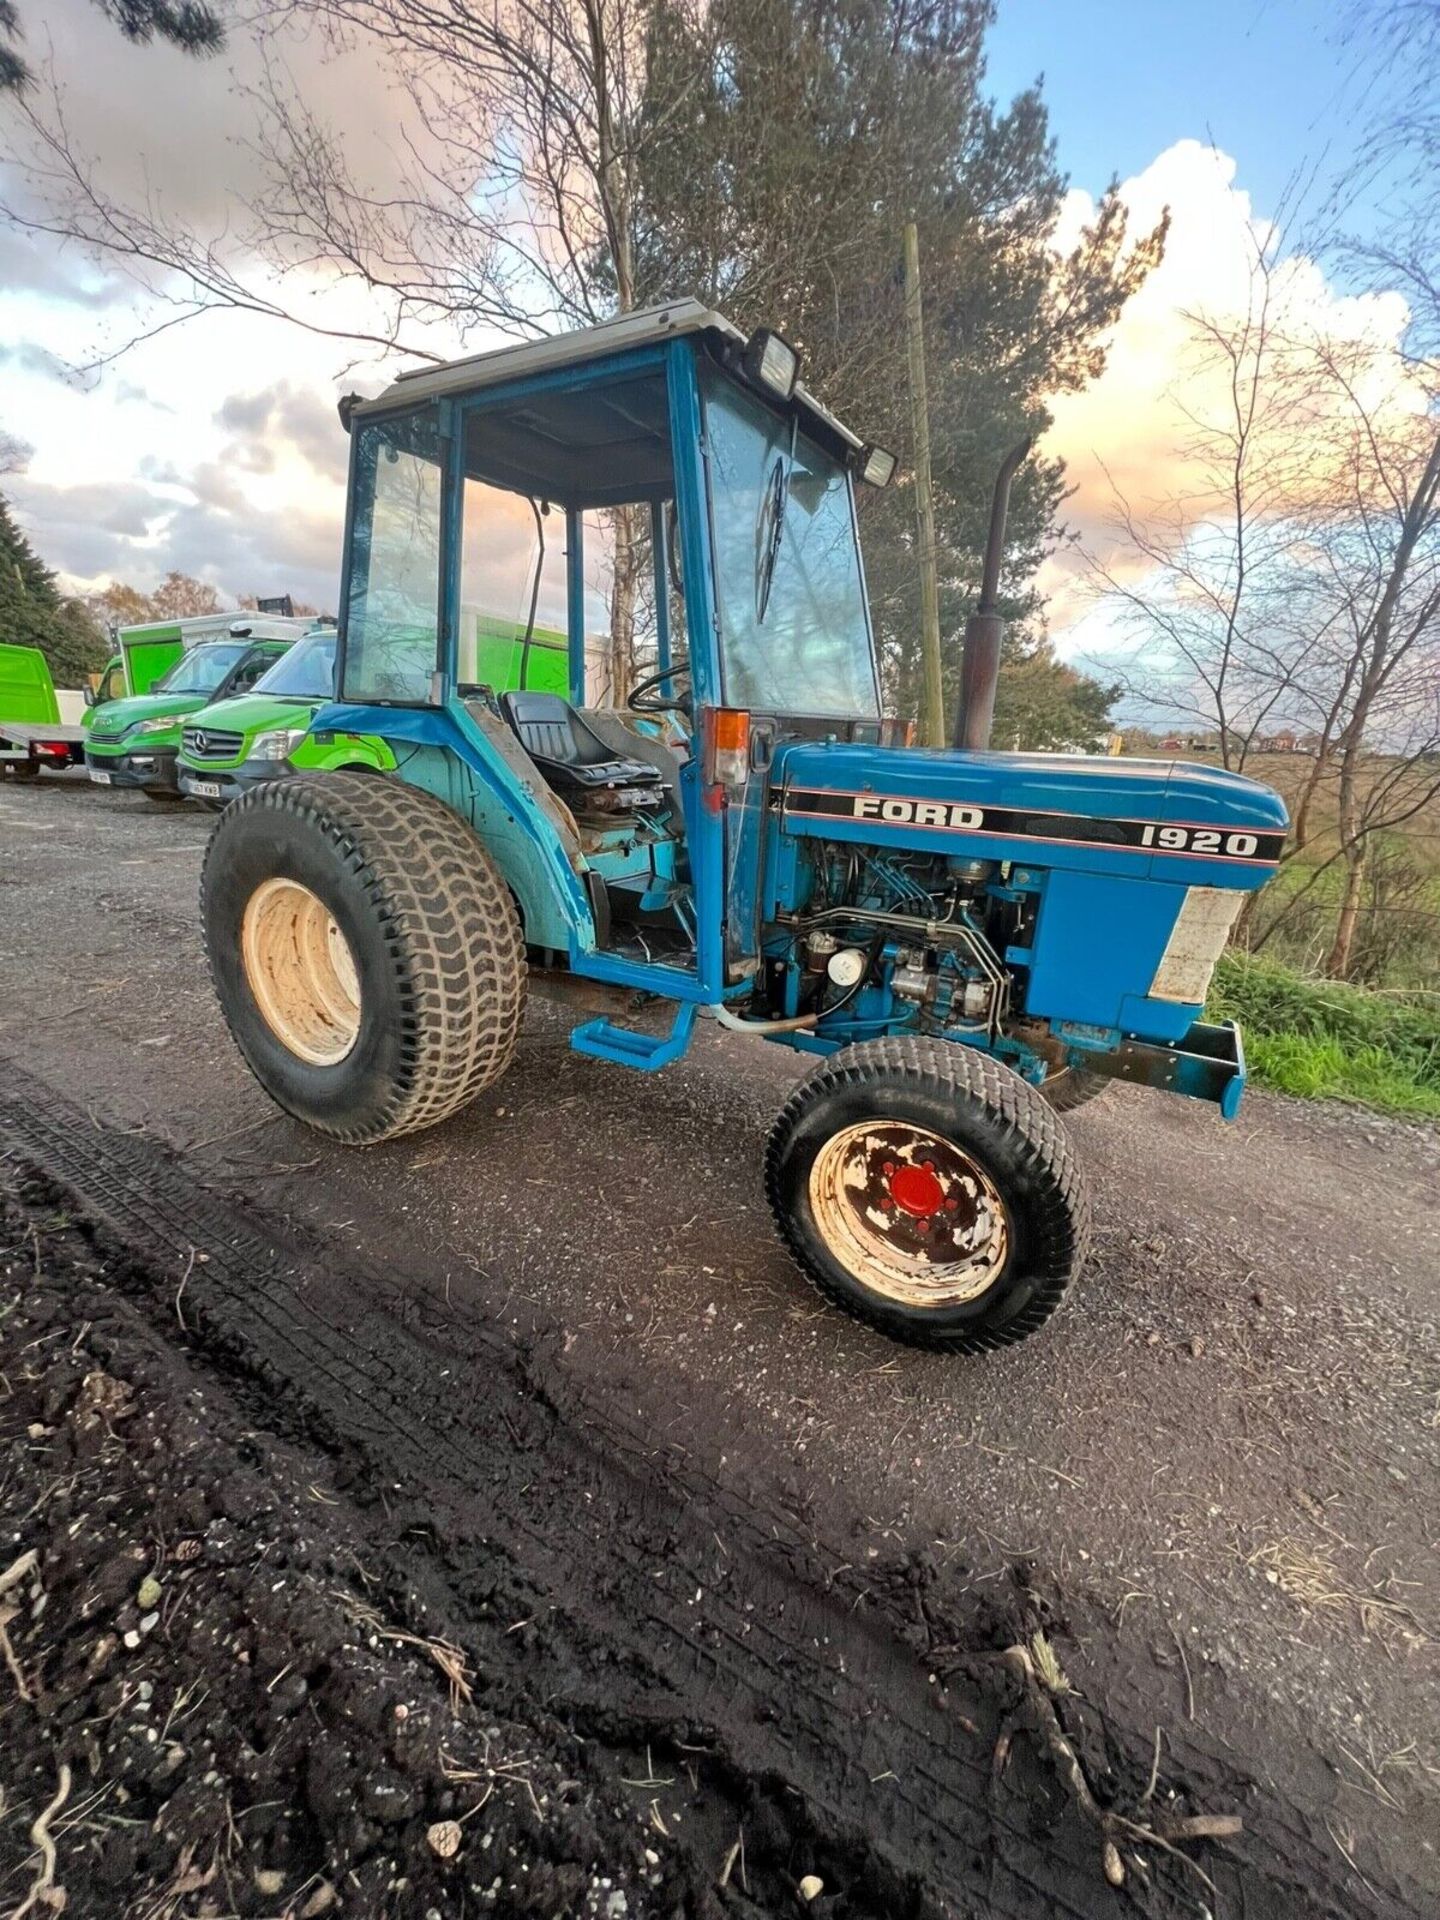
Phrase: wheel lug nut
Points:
(889, 1167)
(952, 1206)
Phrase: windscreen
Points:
(203, 668)
(794, 627)
(306, 672)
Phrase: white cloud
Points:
(214, 446)
(1132, 431)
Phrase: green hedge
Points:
(1322, 1040)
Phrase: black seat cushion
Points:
(571, 756)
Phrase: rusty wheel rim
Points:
(300, 969)
(909, 1214)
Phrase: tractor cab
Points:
(586, 483)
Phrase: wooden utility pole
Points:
(933, 728)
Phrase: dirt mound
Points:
(243, 1725)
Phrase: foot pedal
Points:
(646, 1051)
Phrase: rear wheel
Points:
(928, 1190)
(365, 950)
(1073, 1087)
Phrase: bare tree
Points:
(1398, 47)
(511, 207)
(1297, 586)
(1377, 535)
(1215, 587)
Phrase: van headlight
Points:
(163, 723)
(279, 745)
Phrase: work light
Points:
(772, 363)
(877, 467)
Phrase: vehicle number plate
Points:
(205, 789)
(100, 779)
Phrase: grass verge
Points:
(1325, 1041)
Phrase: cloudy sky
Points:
(214, 446)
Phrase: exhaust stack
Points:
(985, 629)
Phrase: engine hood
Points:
(1107, 814)
(115, 716)
(249, 713)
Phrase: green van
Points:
(135, 743)
(235, 743)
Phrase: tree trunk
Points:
(1338, 964)
(627, 555)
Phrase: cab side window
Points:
(393, 600)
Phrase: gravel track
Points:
(560, 1326)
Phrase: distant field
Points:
(1397, 944)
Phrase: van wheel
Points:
(929, 1191)
(367, 955)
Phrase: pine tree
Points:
(188, 24)
(33, 612)
(800, 136)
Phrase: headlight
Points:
(163, 723)
(1196, 942)
(278, 745)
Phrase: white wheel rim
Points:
(299, 967)
(909, 1214)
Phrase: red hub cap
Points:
(908, 1213)
(917, 1190)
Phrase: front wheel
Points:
(929, 1191)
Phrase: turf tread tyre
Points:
(1022, 1125)
(1073, 1087)
(421, 899)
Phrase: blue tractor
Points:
(967, 941)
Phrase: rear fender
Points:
(482, 773)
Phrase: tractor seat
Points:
(574, 760)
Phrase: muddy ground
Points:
(556, 1376)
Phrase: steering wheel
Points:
(646, 698)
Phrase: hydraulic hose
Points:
(737, 1025)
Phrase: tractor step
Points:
(647, 1052)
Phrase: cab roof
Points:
(644, 328)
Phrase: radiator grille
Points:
(212, 743)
